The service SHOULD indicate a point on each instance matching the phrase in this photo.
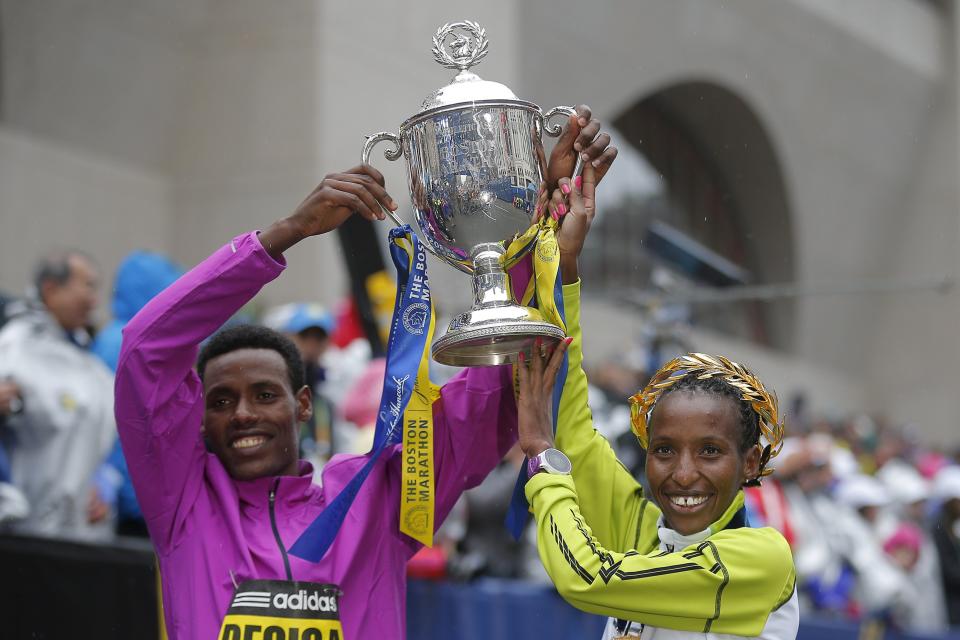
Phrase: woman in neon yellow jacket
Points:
(681, 562)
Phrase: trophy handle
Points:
(389, 154)
(554, 130)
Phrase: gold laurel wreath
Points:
(704, 367)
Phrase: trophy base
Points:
(472, 342)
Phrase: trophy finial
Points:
(468, 45)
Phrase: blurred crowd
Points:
(871, 513)
(873, 519)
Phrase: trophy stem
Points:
(496, 329)
(491, 283)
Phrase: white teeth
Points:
(250, 441)
(688, 501)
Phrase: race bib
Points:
(283, 610)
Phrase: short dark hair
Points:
(716, 386)
(55, 267)
(251, 336)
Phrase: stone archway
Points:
(726, 187)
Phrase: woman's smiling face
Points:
(694, 463)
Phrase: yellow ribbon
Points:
(417, 480)
(543, 280)
(546, 264)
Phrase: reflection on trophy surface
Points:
(475, 163)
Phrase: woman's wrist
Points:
(569, 271)
(534, 449)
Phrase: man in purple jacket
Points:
(223, 518)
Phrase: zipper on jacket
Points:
(276, 532)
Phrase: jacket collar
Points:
(290, 490)
(734, 517)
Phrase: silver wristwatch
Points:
(550, 461)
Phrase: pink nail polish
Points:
(565, 188)
(561, 210)
(553, 214)
(579, 182)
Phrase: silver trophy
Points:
(475, 164)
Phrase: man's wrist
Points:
(280, 236)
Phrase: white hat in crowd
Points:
(858, 491)
(946, 484)
(904, 483)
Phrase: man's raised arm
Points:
(159, 397)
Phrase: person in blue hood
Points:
(140, 277)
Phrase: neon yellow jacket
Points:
(597, 536)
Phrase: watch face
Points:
(557, 460)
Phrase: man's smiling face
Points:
(252, 415)
(694, 464)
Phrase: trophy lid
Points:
(468, 45)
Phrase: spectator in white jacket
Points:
(883, 591)
(909, 492)
(64, 425)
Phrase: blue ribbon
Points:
(405, 348)
(519, 511)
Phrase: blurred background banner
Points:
(504, 609)
(53, 589)
(56, 589)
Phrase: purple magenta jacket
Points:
(211, 530)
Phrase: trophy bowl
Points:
(475, 165)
